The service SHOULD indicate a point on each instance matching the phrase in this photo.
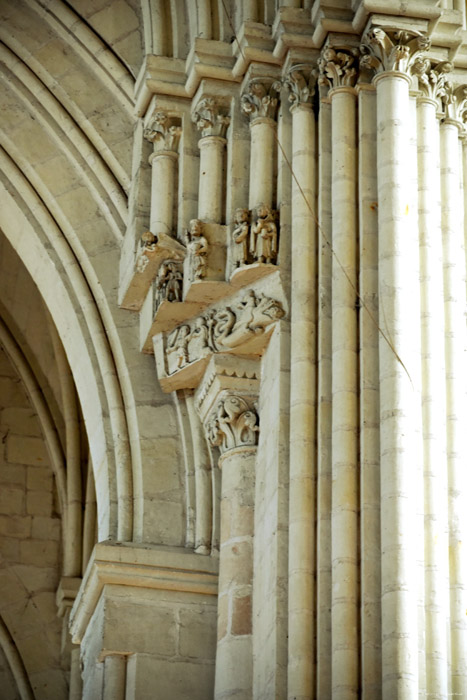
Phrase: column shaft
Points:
(370, 528)
(262, 161)
(302, 549)
(234, 660)
(345, 491)
(114, 677)
(211, 178)
(433, 401)
(203, 486)
(456, 405)
(324, 583)
(399, 319)
(162, 191)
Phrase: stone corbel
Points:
(153, 250)
(243, 329)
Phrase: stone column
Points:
(302, 495)
(456, 379)
(227, 408)
(114, 677)
(212, 123)
(339, 71)
(399, 320)
(324, 428)
(259, 102)
(164, 132)
(370, 526)
(431, 81)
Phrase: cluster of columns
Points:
(377, 588)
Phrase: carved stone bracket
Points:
(210, 117)
(241, 329)
(338, 67)
(301, 82)
(392, 50)
(164, 132)
(153, 250)
(261, 98)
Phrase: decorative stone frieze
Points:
(301, 82)
(233, 423)
(261, 98)
(240, 328)
(210, 118)
(164, 132)
(394, 51)
(338, 67)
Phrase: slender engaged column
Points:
(212, 122)
(232, 426)
(433, 400)
(324, 437)
(260, 103)
(456, 403)
(164, 132)
(339, 70)
(399, 402)
(114, 677)
(370, 528)
(302, 494)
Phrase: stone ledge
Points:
(140, 566)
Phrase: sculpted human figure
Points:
(240, 236)
(177, 348)
(263, 243)
(169, 282)
(198, 249)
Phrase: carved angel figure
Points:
(197, 248)
(263, 243)
(240, 236)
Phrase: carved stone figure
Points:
(263, 242)
(197, 249)
(240, 236)
(232, 424)
(199, 338)
(169, 282)
(177, 348)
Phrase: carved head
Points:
(196, 227)
(263, 211)
(148, 238)
(241, 215)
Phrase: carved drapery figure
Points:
(263, 241)
(241, 237)
(177, 348)
(232, 424)
(197, 249)
(169, 282)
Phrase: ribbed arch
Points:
(15, 662)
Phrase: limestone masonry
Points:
(233, 349)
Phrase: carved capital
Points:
(232, 423)
(395, 50)
(164, 132)
(261, 98)
(454, 103)
(432, 78)
(338, 67)
(301, 83)
(211, 118)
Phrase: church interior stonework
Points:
(233, 349)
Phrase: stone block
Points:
(177, 681)
(12, 392)
(198, 633)
(21, 421)
(15, 526)
(143, 628)
(39, 479)
(241, 615)
(26, 450)
(11, 500)
(39, 503)
(13, 474)
(44, 528)
(39, 553)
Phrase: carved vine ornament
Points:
(221, 330)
